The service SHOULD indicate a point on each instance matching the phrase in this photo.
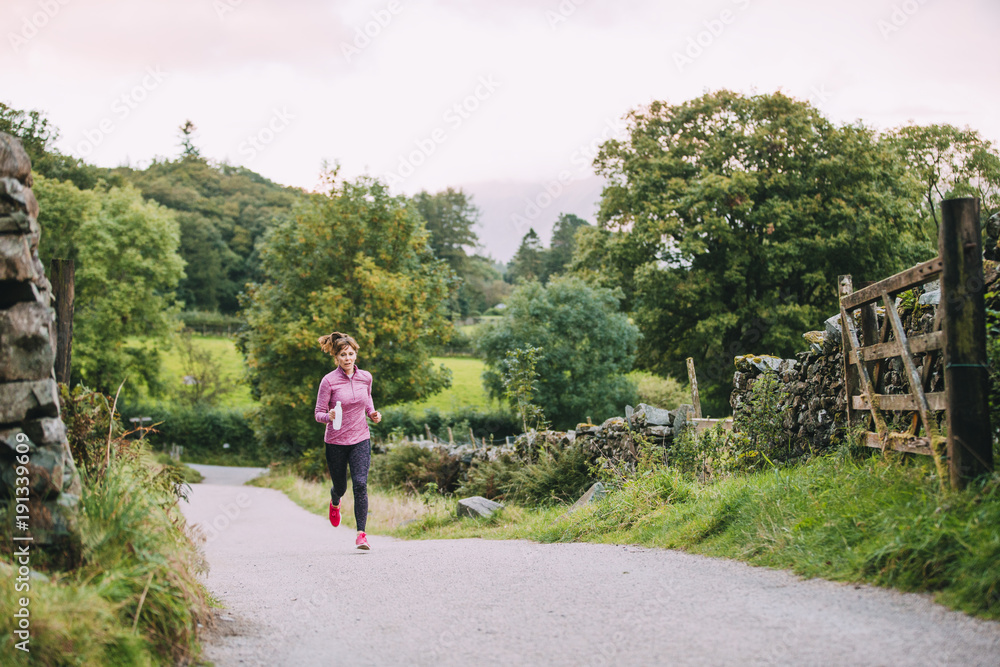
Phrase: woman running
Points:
(348, 441)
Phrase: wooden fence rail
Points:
(958, 337)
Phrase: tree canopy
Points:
(528, 263)
(127, 270)
(586, 348)
(728, 218)
(223, 211)
(533, 261)
(354, 260)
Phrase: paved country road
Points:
(297, 592)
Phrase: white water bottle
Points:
(338, 414)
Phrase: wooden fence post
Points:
(63, 274)
(845, 286)
(693, 379)
(869, 334)
(970, 447)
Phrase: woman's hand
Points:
(376, 416)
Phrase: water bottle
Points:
(338, 414)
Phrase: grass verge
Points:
(875, 520)
(135, 598)
(387, 510)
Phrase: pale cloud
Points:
(370, 82)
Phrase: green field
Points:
(224, 351)
(466, 387)
(466, 381)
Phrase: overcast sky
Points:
(435, 93)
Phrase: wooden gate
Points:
(962, 438)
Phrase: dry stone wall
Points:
(814, 402)
(32, 435)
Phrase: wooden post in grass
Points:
(693, 379)
(970, 448)
(63, 274)
(451, 438)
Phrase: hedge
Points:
(201, 431)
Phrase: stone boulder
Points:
(648, 415)
(477, 506)
(594, 494)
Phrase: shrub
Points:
(757, 441)
(207, 322)
(311, 466)
(484, 423)
(659, 391)
(558, 476)
(412, 468)
(202, 431)
(133, 597)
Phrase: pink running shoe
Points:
(334, 514)
(362, 542)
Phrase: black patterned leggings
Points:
(359, 455)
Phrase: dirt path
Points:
(298, 593)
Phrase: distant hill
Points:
(223, 210)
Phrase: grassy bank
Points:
(388, 510)
(867, 519)
(135, 597)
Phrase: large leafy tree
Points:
(586, 348)
(354, 260)
(127, 268)
(949, 162)
(450, 217)
(728, 218)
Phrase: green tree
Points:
(187, 132)
(587, 348)
(560, 253)
(223, 212)
(727, 220)
(450, 217)
(38, 136)
(949, 162)
(482, 286)
(520, 382)
(353, 260)
(528, 262)
(127, 268)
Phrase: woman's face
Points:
(345, 359)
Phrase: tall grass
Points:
(134, 598)
(387, 509)
(134, 551)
